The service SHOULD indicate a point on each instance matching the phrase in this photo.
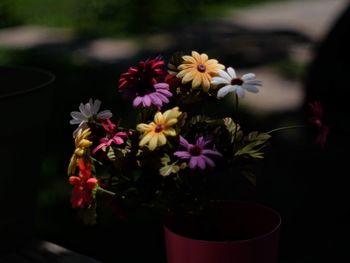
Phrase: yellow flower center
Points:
(201, 68)
(159, 128)
(237, 81)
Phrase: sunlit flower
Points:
(155, 133)
(157, 97)
(83, 184)
(197, 154)
(232, 83)
(317, 120)
(113, 136)
(198, 69)
(88, 113)
(82, 145)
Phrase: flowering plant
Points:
(180, 151)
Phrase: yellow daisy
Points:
(198, 69)
(82, 145)
(155, 133)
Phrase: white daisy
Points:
(88, 113)
(232, 83)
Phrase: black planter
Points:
(25, 106)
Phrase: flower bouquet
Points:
(180, 151)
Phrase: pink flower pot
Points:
(254, 229)
(25, 103)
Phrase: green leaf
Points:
(255, 143)
(234, 129)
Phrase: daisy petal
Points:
(153, 142)
(182, 154)
(161, 86)
(254, 82)
(188, 77)
(251, 88)
(201, 162)
(204, 57)
(193, 162)
(77, 115)
(211, 152)
(170, 132)
(225, 90)
(239, 91)
(184, 143)
(105, 114)
(196, 56)
(248, 76)
(83, 110)
(75, 121)
(225, 75)
(208, 161)
(164, 92)
(145, 139)
(146, 100)
(96, 106)
(137, 101)
(189, 59)
(220, 80)
(197, 81)
(161, 139)
(231, 72)
(155, 100)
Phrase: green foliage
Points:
(255, 143)
(114, 18)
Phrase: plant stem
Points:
(286, 128)
(105, 191)
(235, 121)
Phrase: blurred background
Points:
(88, 44)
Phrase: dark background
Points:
(307, 186)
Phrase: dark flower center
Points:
(144, 86)
(237, 81)
(159, 128)
(195, 151)
(201, 68)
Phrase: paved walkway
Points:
(311, 18)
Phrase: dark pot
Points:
(251, 234)
(25, 106)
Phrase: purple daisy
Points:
(157, 97)
(197, 154)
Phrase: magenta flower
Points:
(317, 120)
(113, 136)
(197, 154)
(157, 97)
(144, 84)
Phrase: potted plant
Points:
(180, 152)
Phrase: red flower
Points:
(317, 120)
(83, 186)
(146, 71)
(139, 80)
